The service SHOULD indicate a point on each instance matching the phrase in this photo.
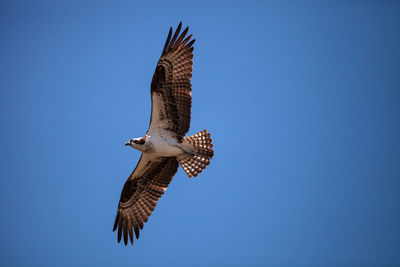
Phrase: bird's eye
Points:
(140, 142)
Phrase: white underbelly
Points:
(163, 145)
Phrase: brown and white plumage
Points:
(141, 192)
(171, 87)
(164, 146)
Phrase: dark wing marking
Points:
(141, 192)
(171, 87)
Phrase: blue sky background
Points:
(302, 99)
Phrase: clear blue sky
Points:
(302, 100)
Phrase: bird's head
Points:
(138, 143)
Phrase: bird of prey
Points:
(164, 146)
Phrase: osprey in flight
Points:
(164, 145)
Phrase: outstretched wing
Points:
(141, 192)
(170, 87)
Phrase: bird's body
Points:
(162, 143)
(164, 147)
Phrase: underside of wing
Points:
(141, 192)
(171, 87)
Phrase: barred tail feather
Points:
(202, 145)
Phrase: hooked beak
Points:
(128, 143)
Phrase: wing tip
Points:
(119, 231)
(116, 222)
(176, 42)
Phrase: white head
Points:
(138, 143)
